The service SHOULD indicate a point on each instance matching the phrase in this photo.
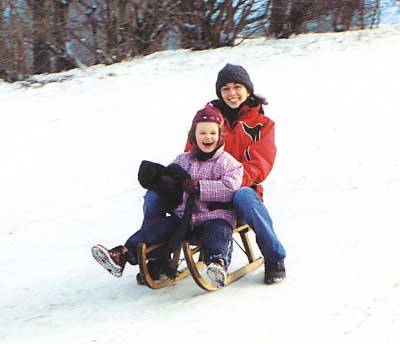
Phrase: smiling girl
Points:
(214, 177)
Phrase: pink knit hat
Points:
(208, 114)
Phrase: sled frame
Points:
(143, 250)
(253, 262)
(194, 265)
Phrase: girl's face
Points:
(207, 135)
(234, 94)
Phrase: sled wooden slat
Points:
(244, 235)
(153, 247)
(143, 250)
(231, 277)
(194, 270)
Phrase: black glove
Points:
(177, 172)
(191, 187)
(166, 181)
(149, 174)
(168, 185)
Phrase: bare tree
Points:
(111, 31)
(343, 14)
(40, 30)
(123, 26)
(15, 41)
(110, 17)
(150, 23)
(39, 36)
(375, 14)
(60, 40)
(278, 18)
(296, 16)
(301, 11)
(208, 24)
(3, 47)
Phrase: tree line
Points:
(42, 36)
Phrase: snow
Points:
(70, 147)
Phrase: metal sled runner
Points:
(193, 262)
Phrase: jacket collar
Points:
(233, 115)
(215, 156)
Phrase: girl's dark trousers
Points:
(215, 237)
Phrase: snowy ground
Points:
(70, 151)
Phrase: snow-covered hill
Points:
(70, 147)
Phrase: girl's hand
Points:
(191, 187)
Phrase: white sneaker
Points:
(217, 274)
(104, 257)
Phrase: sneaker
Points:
(140, 279)
(274, 271)
(113, 260)
(217, 274)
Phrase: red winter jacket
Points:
(252, 142)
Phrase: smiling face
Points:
(207, 135)
(234, 94)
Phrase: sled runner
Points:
(194, 262)
(143, 251)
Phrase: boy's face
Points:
(234, 94)
(207, 135)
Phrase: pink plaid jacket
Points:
(219, 177)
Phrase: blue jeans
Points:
(216, 240)
(215, 235)
(251, 210)
(153, 230)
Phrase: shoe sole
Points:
(101, 255)
(279, 278)
(216, 276)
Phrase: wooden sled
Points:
(194, 262)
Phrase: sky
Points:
(70, 147)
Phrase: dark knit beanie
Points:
(233, 73)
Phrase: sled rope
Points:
(239, 245)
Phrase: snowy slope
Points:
(70, 150)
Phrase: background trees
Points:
(209, 24)
(40, 36)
